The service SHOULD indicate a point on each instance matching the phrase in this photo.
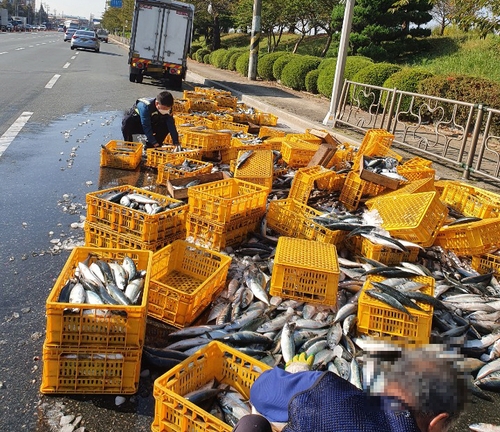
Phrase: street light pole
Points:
(341, 58)
(255, 40)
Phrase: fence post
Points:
(473, 144)
(391, 110)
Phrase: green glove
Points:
(299, 363)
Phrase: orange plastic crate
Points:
(305, 270)
(258, 168)
(378, 319)
(474, 238)
(486, 263)
(159, 156)
(219, 236)
(184, 280)
(137, 224)
(104, 326)
(227, 200)
(297, 153)
(226, 365)
(294, 219)
(414, 217)
(206, 139)
(90, 371)
(167, 172)
(121, 154)
(95, 236)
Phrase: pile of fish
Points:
(186, 166)
(137, 201)
(386, 166)
(103, 283)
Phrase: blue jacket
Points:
(324, 402)
(150, 117)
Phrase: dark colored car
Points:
(102, 35)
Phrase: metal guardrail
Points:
(463, 134)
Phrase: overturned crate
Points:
(257, 168)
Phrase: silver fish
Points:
(287, 342)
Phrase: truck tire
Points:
(132, 77)
(138, 78)
(176, 82)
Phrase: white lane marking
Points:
(12, 132)
(74, 57)
(5, 52)
(52, 81)
(19, 49)
(66, 66)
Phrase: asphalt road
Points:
(58, 107)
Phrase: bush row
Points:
(316, 75)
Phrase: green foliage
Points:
(354, 64)
(200, 54)
(265, 65)
(216, 57)
(280, 63)
(206, 58)
(464, 88)
(233, 58)
(311, 81)
(194, 48)
(375, 75)
(224, 60)
(294, 73)
(327, 63)
(242, 63)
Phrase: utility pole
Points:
(341, 58)
(255, 40)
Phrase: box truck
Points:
(160, 40)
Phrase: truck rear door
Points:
(148, 31)
(176, 33)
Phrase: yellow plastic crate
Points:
(90, 371)
(379, 320)
(201, 104)
(121, 154)
(474, 238)
(343, 157)
(305, 270)
(258, 168)
(355, 188)
(303, 182)
(180, 106)
(157, 157)
(275, 142)
(297, 153)
(86, 325)
(137, 224)
(95, 236)
(227, 200)
(272, 132)
(386, 255)
(470, 200)
(313, 139)
(216, 361)
(167, 172)
(422, 185)
(184, 280)
(412, 173)
(207, 139)
(216, 236)
(224, 100)
(332, 183)
(295, 219)
(221, 124)
(267, 119)
(486, 263)
(415, 217)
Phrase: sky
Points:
(80, 8)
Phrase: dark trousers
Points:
(253, 423)
(131, 124)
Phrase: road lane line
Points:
(52, 81)
(5, 52)
(12, 132)
(74, 57)
(66, 66)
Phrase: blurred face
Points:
(163, 109)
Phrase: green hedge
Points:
(265, 65)
(193, 49)
(200, 54)
(231, 64)
(242, 63)
(311, 81)
(294, 73)
(217, 56)
(206, 58)
(375, 74)
(280, 64)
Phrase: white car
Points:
(86, 39)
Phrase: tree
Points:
(442, 13)
(480, 15)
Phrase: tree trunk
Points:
(328, 42)
(296, 47)
(216, 34)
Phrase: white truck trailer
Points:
(160, 40)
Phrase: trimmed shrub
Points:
(206, 58)
(231, 65)
(311, 81)
(375, 74)
(200, 54)
(265, 65)
(280, 63)
(216, 56)
(294, 73)
(466, 89)
(224, 60)
(328, 63)
(193, 49)
(242, 63)
(407, 79)
(353, 64)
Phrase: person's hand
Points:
(178, 148)
(299, 363)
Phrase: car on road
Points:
(69, 34)
(102, 35)
(86, 39)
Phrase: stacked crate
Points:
(258, 168)
(167, 171)
(113, 225)
(223, 213)
(94, 348)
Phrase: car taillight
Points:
(73, 37)
(94, 39)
